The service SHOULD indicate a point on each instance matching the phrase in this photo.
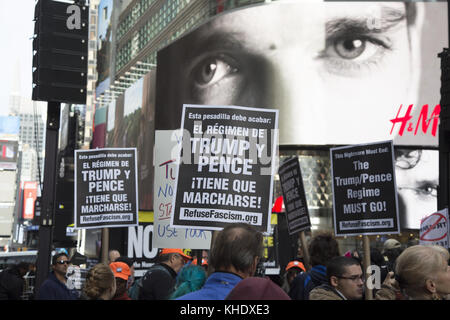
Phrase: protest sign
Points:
(167, 142)
(106, 192)
(226, 167)
(434, 229)
(294, 196)
(364, 189)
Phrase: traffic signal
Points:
(60, 52)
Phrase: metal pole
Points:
(48, 194)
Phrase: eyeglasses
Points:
(353, 278)
(62, 262)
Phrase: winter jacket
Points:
(325, 292)
(53, 289)
(306, 281)
(217, 287)
(11, 284)
(157, 283)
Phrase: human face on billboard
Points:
(337, 71)
(417, 180)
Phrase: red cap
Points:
(179, 251)
(120, 270)
(295, 264)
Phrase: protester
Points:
(122, 273)
(345, 281)
(11, 281)
(292, 270)
(391, 250)
(234, 256)
(100, 283)
(322, 248)
(204, 263)
(377, 260)
(256, 288)
(423, 273)
(54, 287)
(130, 264)
(191, 278)
(158, 283)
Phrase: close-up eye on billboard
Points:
(340, 73)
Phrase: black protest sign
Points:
(364, 189)
(105, 188)
(294, 196)
(226, 166)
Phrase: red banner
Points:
(29, 198)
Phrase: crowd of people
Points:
(418, 273)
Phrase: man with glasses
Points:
(54, 287)
(345, 281)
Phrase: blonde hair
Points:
(416, 265)
(99, 280)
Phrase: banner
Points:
(167, 142)
(106, 193)
(140, 248)
(29, 197)
(364, 189)
(294, 196)
(226, 167)
(434, 229)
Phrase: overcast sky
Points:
(17, 27)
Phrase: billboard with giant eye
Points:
(340, 73)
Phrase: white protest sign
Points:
(434, 229)
(165, 236)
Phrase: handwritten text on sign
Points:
(165, 236)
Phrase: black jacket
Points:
(53, 289)
(306, 281)
(158, 283)
(11, 284)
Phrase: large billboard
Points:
(104, 44)
(339, 72)
(130, 123)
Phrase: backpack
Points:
(304, 283)
(133, 292)
(135, 288)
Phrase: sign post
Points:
(366, 264)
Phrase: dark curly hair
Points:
(322, 248)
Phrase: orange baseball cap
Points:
(179, 251)
(120, 270)
(295, 264)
